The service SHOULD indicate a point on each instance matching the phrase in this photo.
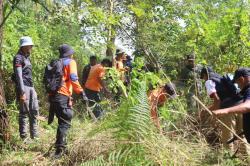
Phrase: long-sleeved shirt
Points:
(246, 116)
(22, 72)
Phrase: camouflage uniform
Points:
(191, 84)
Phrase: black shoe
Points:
(60, 152)
(23, 137)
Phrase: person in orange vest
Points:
(86, 69)
(157, 98)
(95, 84)
(60, 103)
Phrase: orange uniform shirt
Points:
(156, 98)
(93, 82)
(70, 78)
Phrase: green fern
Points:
(97, 162)
(139, 142)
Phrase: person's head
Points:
(92, 60)
(242, 77)
(26, 45)
(119, 54)
(169, 88)
(65, 51)
(190, 60)
(106, 63)
(205, 71)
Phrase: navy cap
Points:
(241, 72)
(65, 51)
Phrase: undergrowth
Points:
(125, 136)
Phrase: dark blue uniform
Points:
(246, 116)
(29, 109)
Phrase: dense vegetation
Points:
(160, 32)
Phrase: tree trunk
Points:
(4, 120)
(111, 32)
(2, 95)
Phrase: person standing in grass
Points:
(189, 80)
(86, 69)
(60, 102)
(120, 56)
(25, 91)
(119, 66)
(242, 78)
(224, 95)
(95, 84)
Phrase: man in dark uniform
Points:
(189, 79)
(242, 78)
(224, 94)
(26, 94)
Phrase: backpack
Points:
(224, 86)
(85, 73)
(53, 76)
(229, 85)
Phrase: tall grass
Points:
(125, 136)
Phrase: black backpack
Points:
(224, 86)
(230, 86)
(53, 76)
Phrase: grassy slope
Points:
(84, 148)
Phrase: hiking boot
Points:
(60, 152)
(23, 136)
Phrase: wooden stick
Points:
(90, 111)
(211, 113)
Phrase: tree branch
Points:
(13, 6)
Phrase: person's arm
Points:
(162, 98)
(103, 85)
(74, 78)
(19, 77)
(85, 74)
(100, 79)
(211, 91)
(216, 102)
(120, 67)
(152, 100)
(241, 108)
